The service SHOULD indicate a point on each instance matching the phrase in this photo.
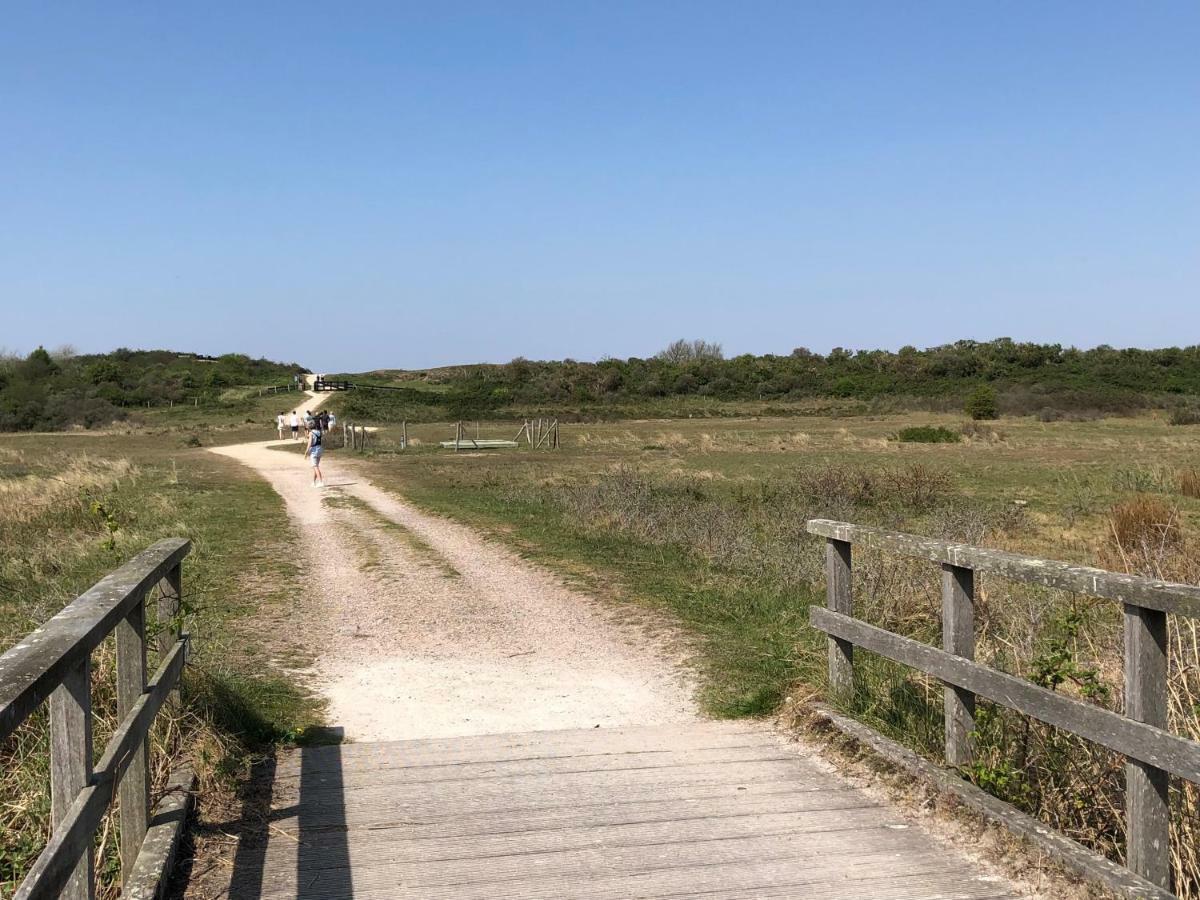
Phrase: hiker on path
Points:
(323, 421)
(332, 421)
(313, 452)
(280, 424)
(295, 426)
(309, 421)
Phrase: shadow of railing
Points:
(307, 818)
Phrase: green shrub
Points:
(982, 403)
(1185, 415)
(927, 434)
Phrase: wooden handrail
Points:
(1153, 753)
(34, 667)
(1166, 596)
(54, 662)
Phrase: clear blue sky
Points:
(367, 185)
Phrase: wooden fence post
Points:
(170, 603)
(1147, 810)
(71, 764)
(134, 790)
(838, 599)
(958, 637)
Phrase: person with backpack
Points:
(313, 452)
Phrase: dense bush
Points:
(981, 403)
(1185, 415)
(46, 392)
(1020, 379)
(928, 434)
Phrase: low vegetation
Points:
(706, 522)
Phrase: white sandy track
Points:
(424, 629)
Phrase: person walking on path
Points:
(295, 426)
(313, 452)
(323, 421)
(280, 424)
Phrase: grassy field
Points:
(76, 506)
(704, 519)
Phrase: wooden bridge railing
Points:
(54, 663)
(1153, 753)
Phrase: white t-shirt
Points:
(295, 421)
(279, 420)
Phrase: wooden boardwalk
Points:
(714, 810)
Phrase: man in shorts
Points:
(295, 426)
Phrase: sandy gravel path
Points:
(422, 628)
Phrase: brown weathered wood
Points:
(1166, 596)
(1148, 809)
(1134, 739)
(839, 599)
(73, 836)
(1087, 863)
(958, 637)
(134, 789)
(34, 667)
(70, 771)
(170, 606)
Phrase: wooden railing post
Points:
(134, 790)
(71, 764)
(170, 602)
(958, 637)
(838, 599)
(1148, 812)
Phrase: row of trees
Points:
(1031, 375)
(47, 391)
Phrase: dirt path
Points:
(421, 628)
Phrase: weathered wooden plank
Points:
(71, 769)
(747, 880)
(395, 770)
(54, 866)
(1148, 809)
(319, 848)
(797, 805)
(152, 869)
(1166, 596)
(32, 669)
(839, 598)
(1090, 865)
(1143, 742)
(534, 745)
(134, 789)
(554, 787)
(958, 637)
(825, 865)
(367, 809)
